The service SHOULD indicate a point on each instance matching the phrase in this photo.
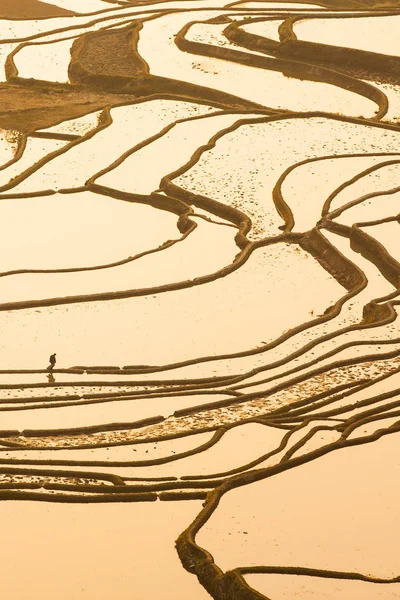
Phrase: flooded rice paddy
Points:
(200, 217)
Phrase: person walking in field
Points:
(52, 361)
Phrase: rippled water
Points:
(200, 217)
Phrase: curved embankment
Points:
(290, 47)
(314, 52)
(289, 67)
(27, 108)
(224, 585)
(133, 76)
(99, 432)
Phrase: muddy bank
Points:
(31, 9)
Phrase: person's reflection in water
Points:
(50, 377)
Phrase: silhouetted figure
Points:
(50, 377)
(52, 361)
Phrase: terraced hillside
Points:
(200, 204)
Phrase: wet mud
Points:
(248, 329)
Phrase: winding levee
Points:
(229, 355)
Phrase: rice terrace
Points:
(200, 217)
